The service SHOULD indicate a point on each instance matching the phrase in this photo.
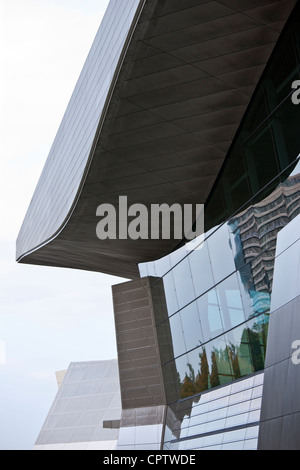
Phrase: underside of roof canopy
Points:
(183, 83)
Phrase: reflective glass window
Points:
(256, 404)
(235, 180)
(162, 266)
(250, 444)
(205, 367)
(247, 345)
(196, 373)
(252, 432)
(177, 255)
(234, 436)
(194, 443)
(210, 315)
(230, 302)
(212, 440)
(183, 372)
(177, 335)
(260, 158)
(191, 326)
(199, 419)
(233, 446)
(286, 288)
(285, 128)
(257, 114)
(221, 254)
(239, 408)
(219, 359)
(170, 293)
(215, 425)
(201, 269)
(254, 416)
(282, 72)
(237, 420)
(183, 283)
(239, 349)
(258, 333)
(216, 210)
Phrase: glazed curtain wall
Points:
(218, 293)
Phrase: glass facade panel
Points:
(282, 72)
(191, 326)
(202, 280)
(285, 128)
(257, 114)
(260, 158)
(170, 293)
(220, 251)
(177, 335)
(239, 351)
(181, 371)
(183, 283)
(210, 315)
(220, 367)
(230, 302)
(222, 334)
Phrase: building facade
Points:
(193, 104)
(86, 411)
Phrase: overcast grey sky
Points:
(48, 317)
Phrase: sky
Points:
(49, 317)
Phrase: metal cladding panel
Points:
(153, 116)
(137, 309)
(63, 171)
(141, 377)
(280, 415)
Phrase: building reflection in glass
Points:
(240, 304)
(217, 327)
(255, 233)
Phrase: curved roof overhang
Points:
(183, 84)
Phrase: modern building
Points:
(189, 102)
(86, 412)
(60, 375)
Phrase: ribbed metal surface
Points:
(188, 72)
(64, 168)
(88, 395)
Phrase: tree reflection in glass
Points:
(211, 366)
